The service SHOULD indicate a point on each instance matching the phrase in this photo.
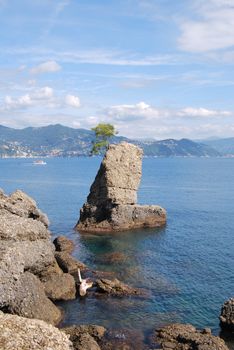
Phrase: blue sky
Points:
(153, 68)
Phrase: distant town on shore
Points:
(61, 141)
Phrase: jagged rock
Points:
(17, 228)
(117, 288)
(30, 300)
(21, 292)
(227, 314)
(25, 248)
(19, 203)
(187, 337)
(60, 286)
(63, 244)
(50, 270)
(119, 176)
(37, 255)
(68, 263)
(86, 342)
(11, 268)
(85, 337)
(111, 204)
(20, 333)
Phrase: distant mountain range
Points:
(223, 146)
(61, 141)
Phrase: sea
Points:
(187, 266)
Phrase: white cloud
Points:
(43, 93)
(38, 96)
(202, 112)
(96, 56)
(144, 120)
(144, 111)
(19, 103)
(134, 112)
(139, 120)
(72, 101)
(31, 82)
(212, 30)
(46, 67)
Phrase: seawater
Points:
(187, 266)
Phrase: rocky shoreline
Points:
(35, 272)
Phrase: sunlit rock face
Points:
(21, 333)
(112, 202)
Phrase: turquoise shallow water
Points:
(187, 266)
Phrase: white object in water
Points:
(39, 162)
(84, 284)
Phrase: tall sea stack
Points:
(112, 201)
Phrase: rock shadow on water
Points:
(112, 258)
(102, 249)
(228, 337)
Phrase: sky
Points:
(154, 68)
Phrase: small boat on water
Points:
(39, 162)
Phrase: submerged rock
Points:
(112, 202)
(123, 339)
(20, 333)
(117, 288)
(227, 314)
(187, 337)
(85, 337)
(96, 332)
(112, 258)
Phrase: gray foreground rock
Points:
(26, 253)
(18, 333)
(60, 287)
(68, 263)
(227, 315)
(187, 337)
(20, 204)
(112, 202)
(30, 300)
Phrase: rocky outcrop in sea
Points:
(112, 201)
(227, 315)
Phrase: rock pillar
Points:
(112, 202)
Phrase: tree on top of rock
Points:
(103, 132)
